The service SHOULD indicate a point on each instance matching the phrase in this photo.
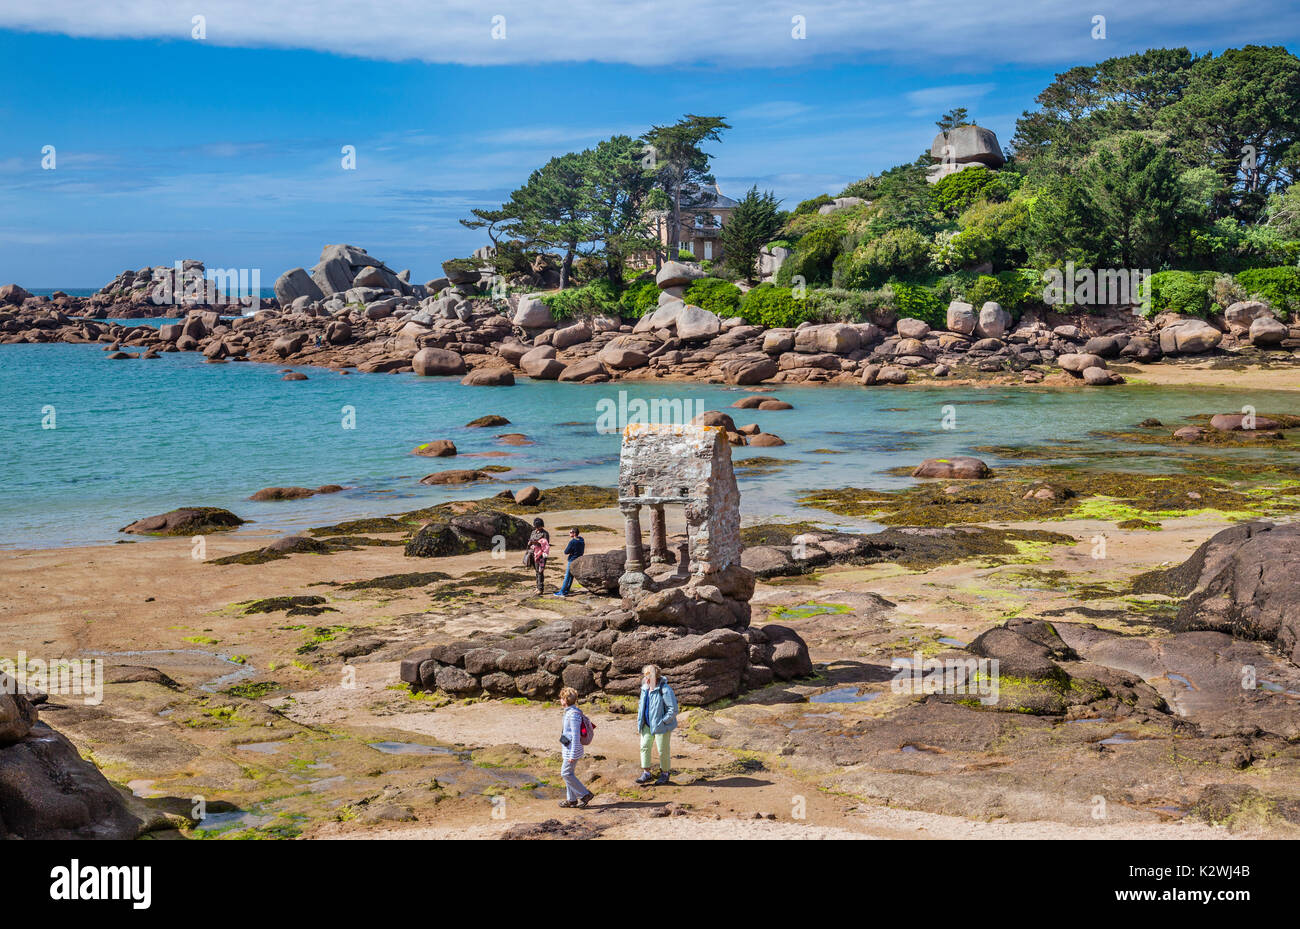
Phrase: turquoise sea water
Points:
(134, 438)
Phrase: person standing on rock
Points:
(577, 545)
(575, 794)
(656, 715)
(539, 546)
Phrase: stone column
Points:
(658, 535)
(635, 552)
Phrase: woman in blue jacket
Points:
(656, 715)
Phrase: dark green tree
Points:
(754, 222)
(1090, 102)
(952, 119)
(1240, 115)
(1126, 206)
(617, 193)
(681, 166)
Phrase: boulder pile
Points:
(704, 644)
(47, 791)
(351, 310)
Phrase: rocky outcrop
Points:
(1189, 337)
(964, 147)
(470, 532)
(961, 467)
(342, 268)
(1242, 581)
(606, 652)
(296, 283)
(190, 520)
(688, 613)
(47, 791)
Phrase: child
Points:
(571, 740)
(539, 546)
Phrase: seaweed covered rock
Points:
(189, 520)
(469, 532)
(1241, 581)
(1027, 676)
(962, 467)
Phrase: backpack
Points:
(588, 730)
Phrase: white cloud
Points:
(663, 32)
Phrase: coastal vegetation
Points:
(1173, 164)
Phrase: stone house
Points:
(701, 223)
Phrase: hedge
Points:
(772, 306)
(638, 298)
(1279, 286)
(1183, 292)
(916, 301)
(597, 298)
(715, 295)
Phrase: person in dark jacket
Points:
(656, 715)
(539, 546)
(574, 550)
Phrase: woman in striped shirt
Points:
(571, 740)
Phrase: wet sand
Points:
(314, 732)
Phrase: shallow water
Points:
(135, 438)
(845, 695)
(408, 748)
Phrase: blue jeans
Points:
(572, 786)
(568, 578)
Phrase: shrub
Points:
(898, 253)
(919, 302)
(985, 289)
(991, 232)
(461, 264)
(865, 188)
(1180, 292)
(638, 298)
(769, 305)
(829, 305)
(596, 298)
(715, 295)
(1226, 291)
(953, 286)
(961, 190)
(813, 205)
(1279, 286)
(1009, 289)
(813, 256)
(685, 255)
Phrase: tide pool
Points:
(135, 438)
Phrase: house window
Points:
(708, 251)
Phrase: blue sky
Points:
(227, 148)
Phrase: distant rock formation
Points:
(961, 148)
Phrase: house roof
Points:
(710, 197)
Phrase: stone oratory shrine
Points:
(686, 611)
